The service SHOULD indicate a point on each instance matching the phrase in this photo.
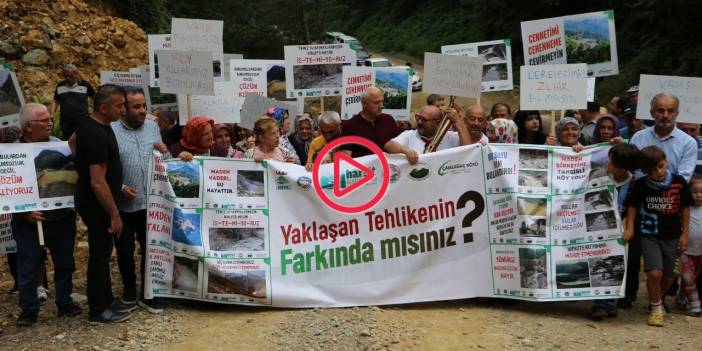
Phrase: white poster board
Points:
(11, 98)
(225, 64)
(585, 38)
(497, 61)
(452, 75)
(258, 77)
(553, 87)
(223, 107)
(186, 72)
(200, 35)
(687, 89)
(395, 82)
(316, 70)
(255, 106)
(123, 79)
(156, 42)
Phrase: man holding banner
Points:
(60, 228)
(428, 120)
(371, 123)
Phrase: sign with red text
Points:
(257, 77)
(200, 35)
(452, 75)
(497, 61)
(529, 222)
(687, 89)
(156, 42)
(585, 38)
(185, 72)
(316, 70)
(395, 83)
(553, 87)
(123, 79)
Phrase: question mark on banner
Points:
(477, 199)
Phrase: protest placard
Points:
(154, 97)
(590, 89)
(452, 75)
(553, 87)
(497, 61)
(258, 77)
(11, 98)
(200, 35)
(316, 70)
(260, 236)
(255, 106)
(156, 42)
(123, 79)
(186, 72)
(7, 241)
(395, 82)
(585, 38)
(222, 107)
(687, 89)
(225, 64)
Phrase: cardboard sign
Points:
(11, 99)
(123, 79)
(223, 107)
(687, 89)
(452, 75)
(497, 61)
(255, 106)
(553, 87)
(395, 82)
(585, 38)
(316, 70)
(186, 72)
(156, 42)
(200, 35)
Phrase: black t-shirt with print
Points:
(73, 100)
(659, 212)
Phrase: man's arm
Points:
(460, 125)
(53, 107)
(104, 196)
(688, 161)
(394, 147)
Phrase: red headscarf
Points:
(192, 135)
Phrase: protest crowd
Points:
(653, 162)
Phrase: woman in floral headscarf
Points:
(197, 139)
(281, 116)
(502, 130)
(303, 135)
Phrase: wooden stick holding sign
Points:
(40, 232)
(190, 107)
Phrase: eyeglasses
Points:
(420, 118)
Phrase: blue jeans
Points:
(59, 237)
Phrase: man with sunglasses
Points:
(414, 142)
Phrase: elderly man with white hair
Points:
(329, 129)
(59, 231)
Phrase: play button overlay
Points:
(347, 180)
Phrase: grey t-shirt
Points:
(694, 241)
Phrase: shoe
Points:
(26, 319)
(656, 319)
(119, 305)
(598, 313)
(70, 310)
(695, 312)
(110, 316)
(153, 305)
(42, 294)
(680, 303)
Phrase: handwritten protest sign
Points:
(255, 106)
(200, 35)
(585, 38)
(11, 98)
(452, 75)
(316, 70)
(186, 72)
(156, 42)
(497, 61)
(553, 87)
(222, 107)
(395, 82)
(687, 89)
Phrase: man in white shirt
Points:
(428, 120)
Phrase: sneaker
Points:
(598, 313)
(70, 310)
(656, 319)
(153, 305)
(42, 294)
(120, 305)
(695, 312)
(110, 316)
(26, 319)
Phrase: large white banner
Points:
(585, 38)
(687, 89)
(535, 223)
(395, 82)
(497, 61)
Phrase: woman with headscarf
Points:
(502, 130)
(223, 143)
(268, 147)
(607, 130)
(529, 127)
(567, 134)
(197, 139)
(303, 135)
(281, 115)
